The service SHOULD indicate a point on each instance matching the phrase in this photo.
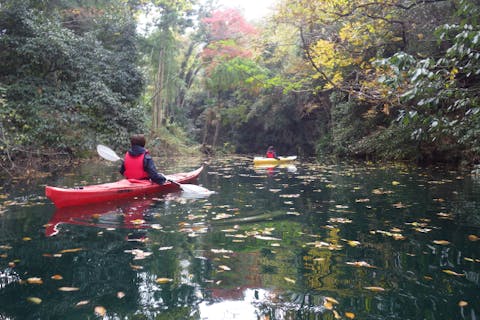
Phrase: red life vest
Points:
(134, 167)
(270, 154)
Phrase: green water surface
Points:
(305, 241)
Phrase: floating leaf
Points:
(376, 289)
(328, 305)
(26, 239)
(350, 315)
(135, 267)
(164, 248)
(71, 250)
(120, 294)
(56, 277)
(473, 237)
(163, 280)
(289, 280)
(82, 303)
(462, 304)
(353, 243)
(332, 300)
(34, 300)
(35, 280)
(441, 242)
(101, 311)
(453, 273)
(260, 237)
(395, 183)
(360, 264)
(68, 289)
(224, 267)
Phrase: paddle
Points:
(110, 155)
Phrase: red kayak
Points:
(125, 188)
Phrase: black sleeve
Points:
(122, 168)
(152, 171)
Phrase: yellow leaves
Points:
(163, 280)
(462, 304)
(441, 242)
(453, 273)
(350, 315)
(289, 280)
(34, 300)
(71, 250)
(473, 237)
(100, 311)
(56, 277)
(35, 280)
(82, 303)
(375, 289)
(224, 268)
(68, 289)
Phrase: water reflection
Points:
(336, 241)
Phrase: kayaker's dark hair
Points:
(138, 139)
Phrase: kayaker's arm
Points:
(153, 174)
(122, 168)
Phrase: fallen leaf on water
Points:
(71, 250)
(135, 267)
(361, 264)
(163, 280)
(332, 300)
(441, 242)
(120, 294)
(328, 305)
(260, 237)
(453, 273)
(336, 314)
(101, 311)
(56, 277)
(376, 289)
(350, 315)
(224, 267)
(395, 183)
(35, 280)
(473, 237)
(68, 289)
(34, 300)
(26, 239)
(353, 243)
(82, 303)
(137, 221)
(164, 248)
(289, 280)
(462, 303)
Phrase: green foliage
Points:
(65, 89)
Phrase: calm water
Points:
(313, 241)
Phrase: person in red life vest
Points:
(271, 153)
(138, 163)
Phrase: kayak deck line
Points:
(125, 188)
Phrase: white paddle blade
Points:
(107, 153)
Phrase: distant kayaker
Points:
(271, 153)
(138, 163)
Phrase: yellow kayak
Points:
(274, 161)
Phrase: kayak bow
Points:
(125, 188)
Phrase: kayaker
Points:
(271, 153)
(138, 163)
